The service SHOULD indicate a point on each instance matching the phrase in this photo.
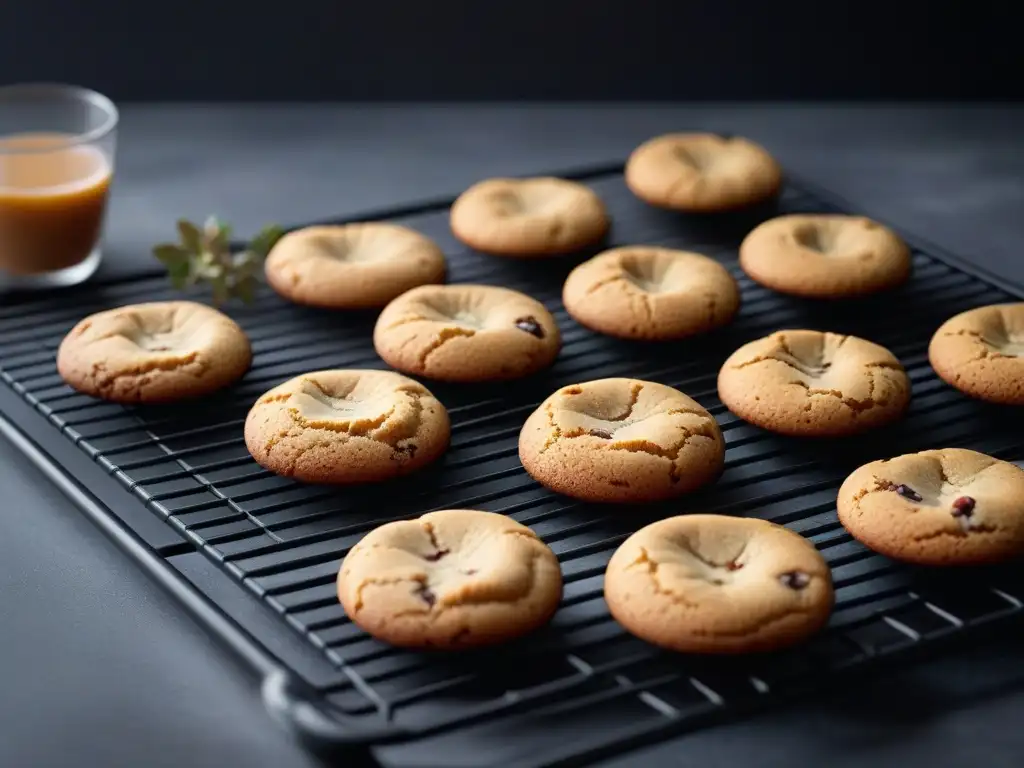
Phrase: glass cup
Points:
(57, 147)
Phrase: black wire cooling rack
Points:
(174, 484)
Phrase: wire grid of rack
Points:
(283, 541)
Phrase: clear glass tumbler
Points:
(57, 145)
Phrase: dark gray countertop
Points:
(99, 667)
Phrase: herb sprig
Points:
(204, 255)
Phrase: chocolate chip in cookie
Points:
(967, 507)
(466, 333)
(702, 583)
(450, 579)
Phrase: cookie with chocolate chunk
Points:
(715, 584)
(452, 579)
(466, 333)
(950, 506)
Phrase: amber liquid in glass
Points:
(52, 202)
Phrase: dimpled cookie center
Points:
(838, 239)
(820, 237)
(620, 416)
(697, 158)
(163, 332)
(458, 310)
(530, 200)
(602, 417)
(813, 363)
(1009, 344)
(647, 272)
(317, 403)
(719, 567)
(349, 249)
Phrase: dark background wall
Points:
(528, 49)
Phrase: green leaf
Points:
(205, 257)
(221, 292)
(265, 240)
(171, 254)
(179, 271)
(246, 263)
(191, 237)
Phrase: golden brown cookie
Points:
(467, 333)
(542, 216)
(156, 352)
(342, 427)
(702, 172)
(825, 256)
(644, 292)
(942, 507)
(981, 353)
(621, 440)
(355, 266)
(809, 383)
(718, 584)
(451, 579)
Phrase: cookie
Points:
(466, 333)
(342, 427)
(718, 584)
(451, 579)
(940, 507)
(825, 256)
(621, 440)
(644, 292)
(981, 353)
(814, 384)
(155, 352)
(542, 216)
(702, 172)
(355, 266)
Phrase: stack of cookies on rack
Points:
(701, 583)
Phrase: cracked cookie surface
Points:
(346, 426)
(541, 216)
(466, 333)
(717, 584)
(702, 172)
(621, 440)
(941, 507)
(155, 352)
(825, 256)
(644, 292)
(355, 266)
(450, 579)
(981, 353)
(809, 383)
